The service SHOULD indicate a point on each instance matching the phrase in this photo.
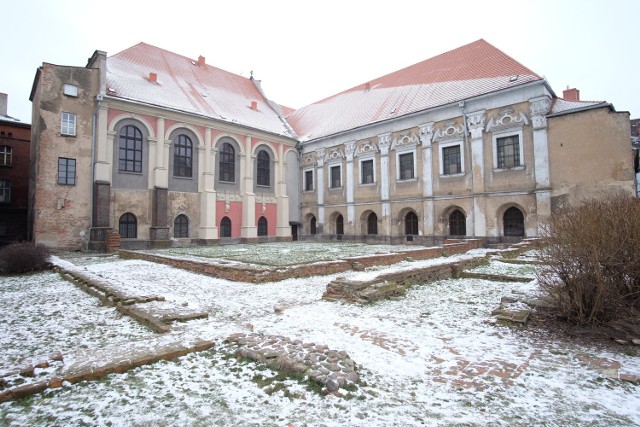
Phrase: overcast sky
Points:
(304, 51)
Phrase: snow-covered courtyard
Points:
(436, 356)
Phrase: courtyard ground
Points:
(436, 356)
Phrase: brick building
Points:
(162, 149)
(15, 138)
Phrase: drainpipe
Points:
(94, 120)
(468, 153)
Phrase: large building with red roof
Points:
(149, 148)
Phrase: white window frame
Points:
(505, 134)
(70, 90)
(6, 155)
(304, 177)
(68, 127)
(415, 161)
(373, 161)
(331, 166)
(452, 144)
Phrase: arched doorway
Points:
(372, 223)
(513, 221)
(411, 224)
(312, 225)
(457, 223)
(225, 227)
(263, 229)
(339, 225)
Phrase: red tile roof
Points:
(471, 70)
(185, 85)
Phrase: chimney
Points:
(201, 61)
(3, 104)
(254, 105)
(153, 77)
(572, 94)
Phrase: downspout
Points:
(469, 155)
(94, 120)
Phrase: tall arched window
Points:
(411, 224)
(513, 222)
(264, 169)
(263, 230)
(457, 223)
(339, 225)
(225, 227)
(181, 226)
(312, 225)
(130, 149)
(128, 226)
(372, 223)
(183, 156)
(227, 164)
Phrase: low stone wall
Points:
(330, 368)
(395, 284)
(271, 274)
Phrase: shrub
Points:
(23, 257)
(592, 258)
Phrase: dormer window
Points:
(70, 90)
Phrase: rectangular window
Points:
(5, 155)
(70, 90)
(406, 166)
(308, 180)
(451, 160)
(508, 152)
(68, 125)
(66, 171)
(366, 172)
(5, 191)
(335, 177)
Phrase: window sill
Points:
(65, 135)
(407, 180)
(369, 184)
(189, 178)
(517, 168)
(452, 175)
(335, 188)
(130, 172)
(263, 186)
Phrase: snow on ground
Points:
(433, 357)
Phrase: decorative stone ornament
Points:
(507, 119)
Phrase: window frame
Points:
(181, 227)
(138, 146)
(372, 224)
(373, 171)
(128, 220)
(226, 229)
(503, 135)
(399, 169)
(333, 167)
(182, 156)
(455, 224)
(6, 155)
(70, 89)
(5, 191)
(64, 177)
(263, 169)
(227, 163)
(411, 224)
(263, 227)
(68, 126)
(308, 183)
(443, 165)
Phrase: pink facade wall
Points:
(234, 214)
(271, 214)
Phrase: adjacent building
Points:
(150, 148)
(15, 138)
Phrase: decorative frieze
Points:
(450, 130)
(334, 154)
(384, 143)
(426, 133)
(508, 118)
(366, 147)
(475, 123)
(349, 150)
(405, 139)
(320, 157)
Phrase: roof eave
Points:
(585, 108)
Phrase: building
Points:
(15, 138)
(157, 149)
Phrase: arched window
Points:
(513, 222)
(339, 225)
(372, 223)
(262, 227)
(128, 226)
(225, 227)
(264, 169)
(457, 223)
(181, 226)
(312, 225)
(411, 224)
(183, 156)
(130, 154)
(227, 163)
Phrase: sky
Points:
(305, 51)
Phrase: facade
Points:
(15, 140)
(157, 149)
